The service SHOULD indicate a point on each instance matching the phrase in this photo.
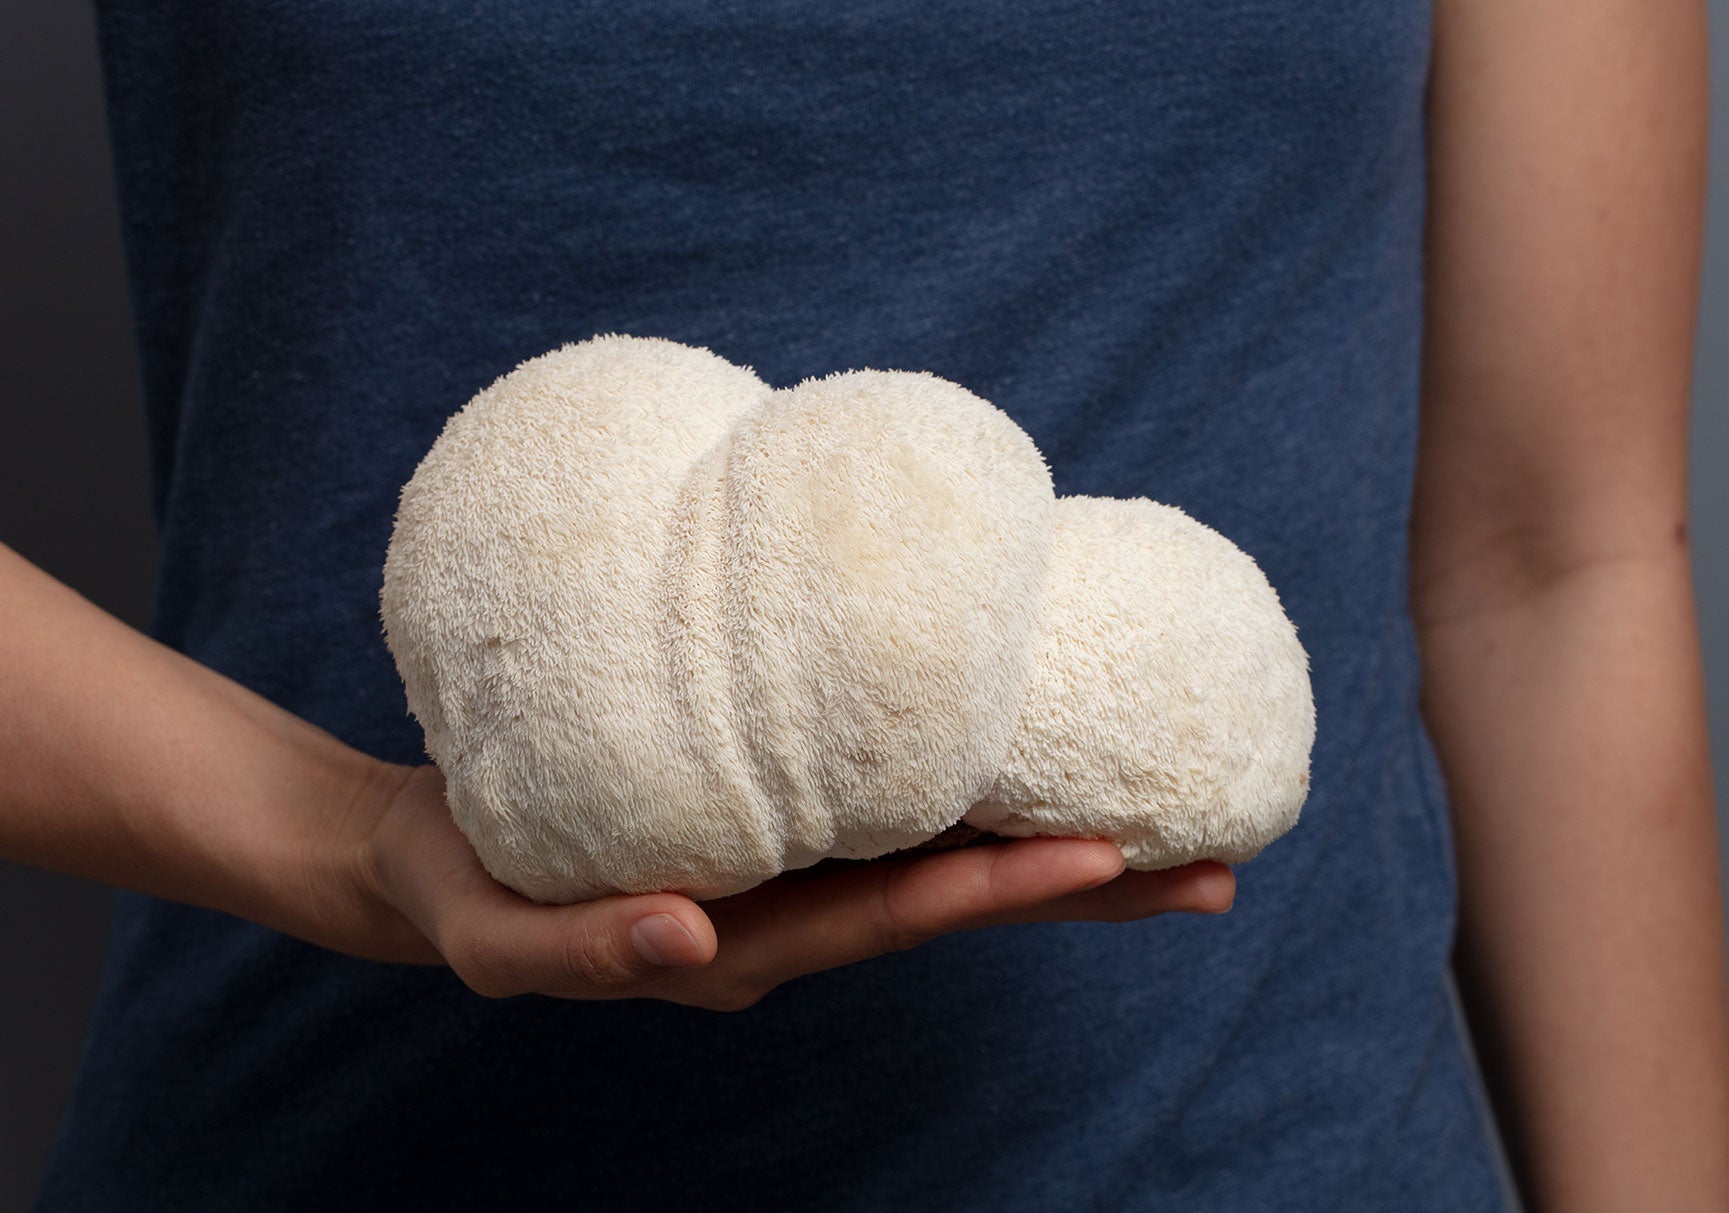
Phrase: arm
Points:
(1551, 586)
(131, 764)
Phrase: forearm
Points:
(130, 764)
(1569, 720)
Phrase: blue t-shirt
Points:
(1180, 243)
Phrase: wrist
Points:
(333, 893)
(258, 813)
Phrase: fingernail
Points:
(662, 940)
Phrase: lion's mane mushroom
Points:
(667, 628)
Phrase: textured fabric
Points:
(1179, 243)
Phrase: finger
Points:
(850, 916)
(1204, 887)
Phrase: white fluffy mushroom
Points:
(665, 627)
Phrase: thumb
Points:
(501, 944)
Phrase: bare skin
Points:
(1552, 590)
(131, 764)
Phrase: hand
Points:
(437, 904)
(131, 764)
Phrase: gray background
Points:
(73, 495)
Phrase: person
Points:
(1212, 254)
